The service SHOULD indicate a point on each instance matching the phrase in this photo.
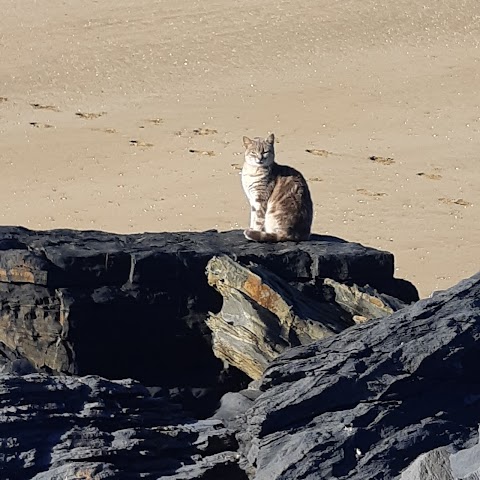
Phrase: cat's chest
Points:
(256, 183)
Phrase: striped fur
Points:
(280, 201)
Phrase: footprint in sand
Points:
(209, 153)
(364, 191)
(41, 125)
(39, 106)
(236, 166)
(204, 131)
(315, 179)
(382, 160)
(140, 143)
(430, 176)
(318, 152)
(452, 201)
(89, 116)
(3, 99)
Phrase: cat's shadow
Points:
(326, 238)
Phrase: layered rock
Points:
(362, 303)
(53, 428)
(132, 305)
(394, 397)
(262, 316)
(367, 402)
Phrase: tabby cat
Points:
(280, 201)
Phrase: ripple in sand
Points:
(105, 130)
(140, 143)
(155, 121)
(209, 153)
(364, 191)
(452, 201)
(382, 160)
(41, 125)
(430, 176)
(318, 152)
(89, 116)
(39, 106)
(204, 131)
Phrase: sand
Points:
(129, 116)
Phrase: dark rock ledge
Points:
(392, 397)
(85, 302)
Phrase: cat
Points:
(280, 201)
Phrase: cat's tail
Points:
(259, 236)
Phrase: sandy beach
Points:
(129, 116)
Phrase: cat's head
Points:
(259, 152)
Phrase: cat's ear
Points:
(270, 139)
(246, 142)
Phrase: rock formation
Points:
(397, 396)
(120, 306)
(262, 315)
(367, 402)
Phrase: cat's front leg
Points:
(253, 217)
(257, 217)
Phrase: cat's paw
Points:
(248, 233)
